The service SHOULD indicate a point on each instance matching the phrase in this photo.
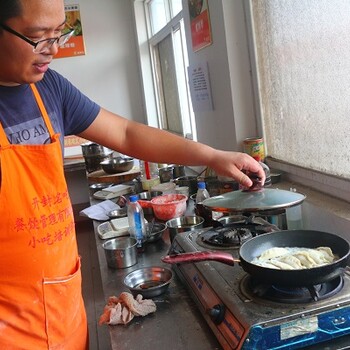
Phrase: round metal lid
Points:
(254, 201)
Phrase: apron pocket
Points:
(64, 307)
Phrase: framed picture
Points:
(75, 45)
(200, 24)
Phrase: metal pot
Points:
(94, 154)
(190, 181)
(120, 252)
(166, 174)
(268, 203)
(90, 149)
(253, 248)
(178, 171)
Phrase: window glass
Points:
(181, 59)
(176, 7)
(303, 51)
(158, 17)
(169, 86)
(168, 62)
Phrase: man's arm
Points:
(155, 145)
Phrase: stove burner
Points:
(234, 234)
(228, 236)
(291, 295)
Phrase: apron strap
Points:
(40, 103)
(4, 142)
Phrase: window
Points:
(302, 58)
(164, 65)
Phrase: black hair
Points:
(9, 9)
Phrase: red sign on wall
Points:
(200, 24)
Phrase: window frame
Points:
(154, 102)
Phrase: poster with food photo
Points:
(200, 24)
(75, 45)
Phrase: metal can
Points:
(254, 146)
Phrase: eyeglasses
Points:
(41, 45)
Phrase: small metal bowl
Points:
(98, 187)
(117, 165)
(157, 231)
(117, 213)
(145, 200)
(148, 281)
(182, 224)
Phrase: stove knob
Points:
(217, 313)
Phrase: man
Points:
(41, 305)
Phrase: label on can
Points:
(254, 146)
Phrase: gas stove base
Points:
(242, 322)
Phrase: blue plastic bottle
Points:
(136, 221)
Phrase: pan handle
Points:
(200, 256)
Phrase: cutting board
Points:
(99, 176)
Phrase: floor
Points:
(92, 286)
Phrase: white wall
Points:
(233, 118)
(108, 73)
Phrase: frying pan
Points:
(288, 238)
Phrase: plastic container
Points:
(202, 193)
(169, 206)
(149, 174)
(137, 227)
(200, 210)
(294, 218)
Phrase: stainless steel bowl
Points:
(117, 213)
(148, 195)
(98, 187)
(120, 252)
(148, 281)
(145, 200)
(182, 224)
(117, 165)
(157, 231)
(231, 219)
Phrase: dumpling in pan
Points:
(273, 253)
(305, 259)
(327, 253)
(280, 264)
(295, 258)
(292, 261)
(265, 264)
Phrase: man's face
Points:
(40, 19)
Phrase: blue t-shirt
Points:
(70, 111)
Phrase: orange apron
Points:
(41, 305)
